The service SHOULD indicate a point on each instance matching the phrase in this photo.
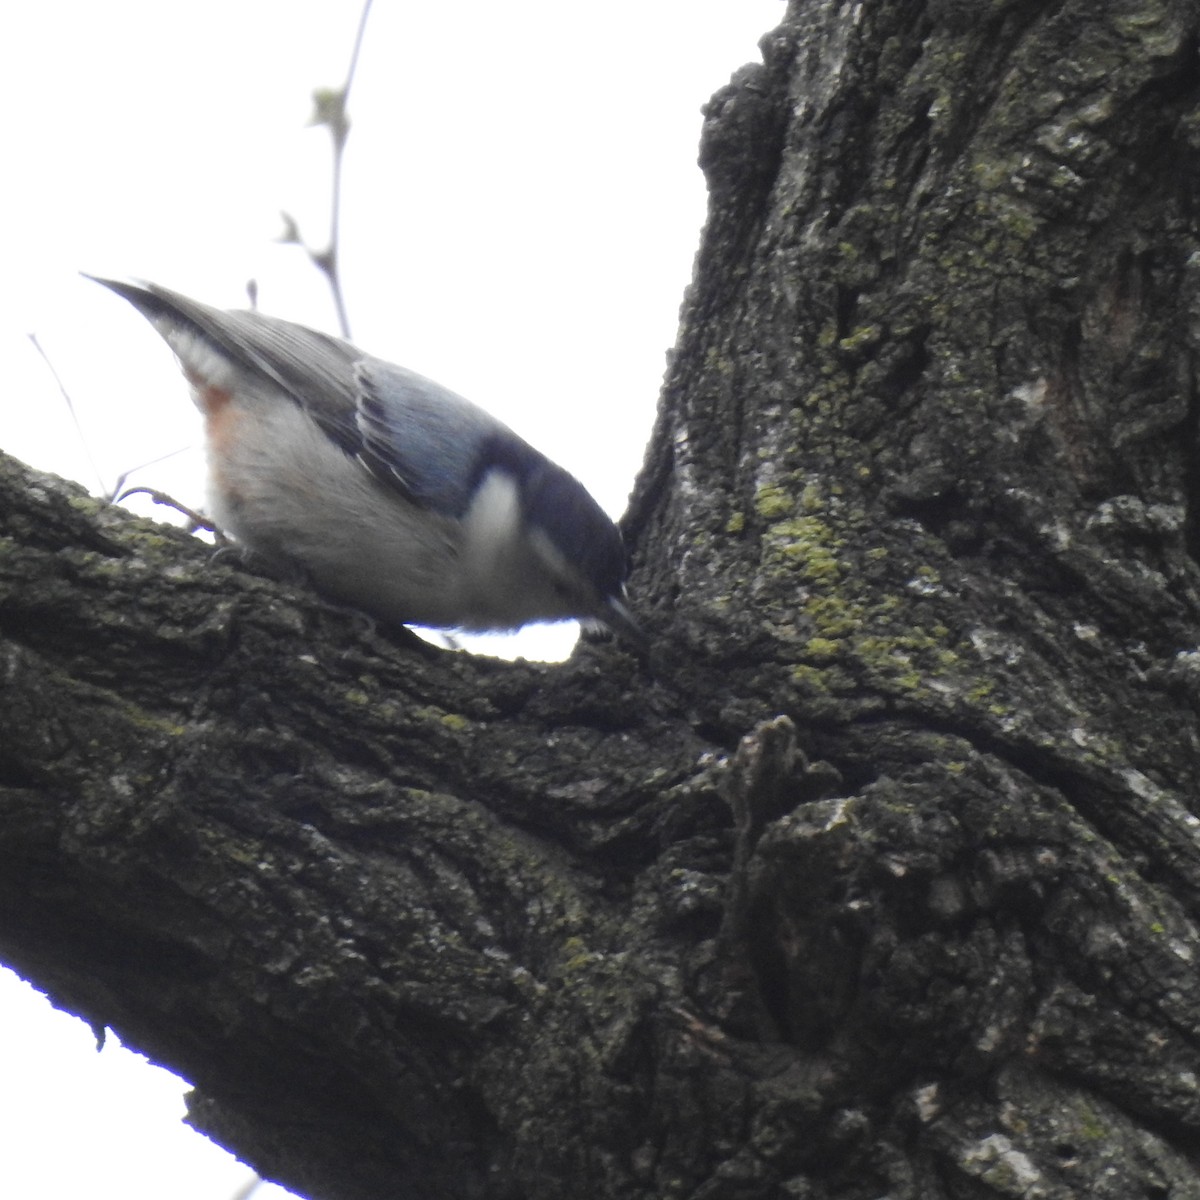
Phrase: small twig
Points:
(331, 109)
(87, 450)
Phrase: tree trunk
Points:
(881, 877)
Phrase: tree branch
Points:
(918, 520)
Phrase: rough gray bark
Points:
(884, 877)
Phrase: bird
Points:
(385, 490)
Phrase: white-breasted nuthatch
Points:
(389, 492)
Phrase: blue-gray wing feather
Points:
(424, 439)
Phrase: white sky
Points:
(520, 210)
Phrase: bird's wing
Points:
(415, 436)
(429, 441)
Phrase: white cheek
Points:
(492, 526)
(512, 568)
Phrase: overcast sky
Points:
(521, 208)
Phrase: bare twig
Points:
(87, 450)
(330, 108)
